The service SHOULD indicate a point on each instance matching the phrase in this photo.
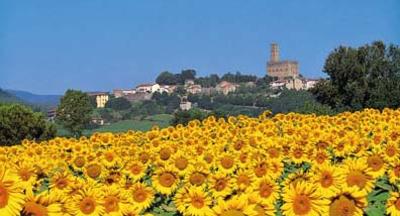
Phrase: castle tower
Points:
(281, 69)
(274, 52)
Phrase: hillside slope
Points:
(40, 100)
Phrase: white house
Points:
(149, 88)
(310, 83)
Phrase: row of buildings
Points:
(145, 91)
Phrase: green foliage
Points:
(6, 97)
(184, 117)
(238, 78)
(74, 111)
(169, 101)
(145, 124)
(93, 102)
(313, 107)
(19, 122)
(120, 103)
(226, 110)
(362, 77)
(378, 197)
(166, 78)
(209, 81)
(188, 74)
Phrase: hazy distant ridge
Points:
(48, 100)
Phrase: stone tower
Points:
(274, 52)
(281, 69)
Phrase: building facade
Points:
(149, 88)
(225, 87)
(281, 69)
(101, 98)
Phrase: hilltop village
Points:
(283, 74)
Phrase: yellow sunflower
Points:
(26, 173)
(11, 195)
(60, 181)
(135, 170)
(115, 200)
(327, 178)
(42, 204)
(165, 180)
(237, 205)
(94, 170)
(227, 163)
(393, 204)
(220, 185)
(196, 176)
(356, 173)
(302, 198)
(243, 180)
(352, 202)
(87, 201)
(141, 196)
(394, 172)
(192, 201)
(377, 164)
(265, 191)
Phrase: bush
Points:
(118, 103)
(18, 122)
(184, 117)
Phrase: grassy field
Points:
(161, 120)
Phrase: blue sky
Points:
(48, 46)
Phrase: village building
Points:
(281, 69)
(279, 84)
(189, 82)
(167, 88)
(185, 104)
(101, 98)
(97, 120)
(294, 83)
(310, 83)
(122, 92)
(138, 96)
(149, 88)
(208, 90)
(194, 89)
(51, 114)
(226, 87)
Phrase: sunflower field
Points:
(287, 164)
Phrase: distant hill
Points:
(6, 97)
(35, 99)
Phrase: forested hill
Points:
(6, 97)
(39, 100)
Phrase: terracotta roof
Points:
(96, 93)
(145, 85)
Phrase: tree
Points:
(238, 78)
(188, 74)
(120, 103)
(18, 122)
(208, 81)
(366, 76)
(184, 117)
(166, 78)
(74, 111)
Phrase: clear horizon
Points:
(47, 47)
